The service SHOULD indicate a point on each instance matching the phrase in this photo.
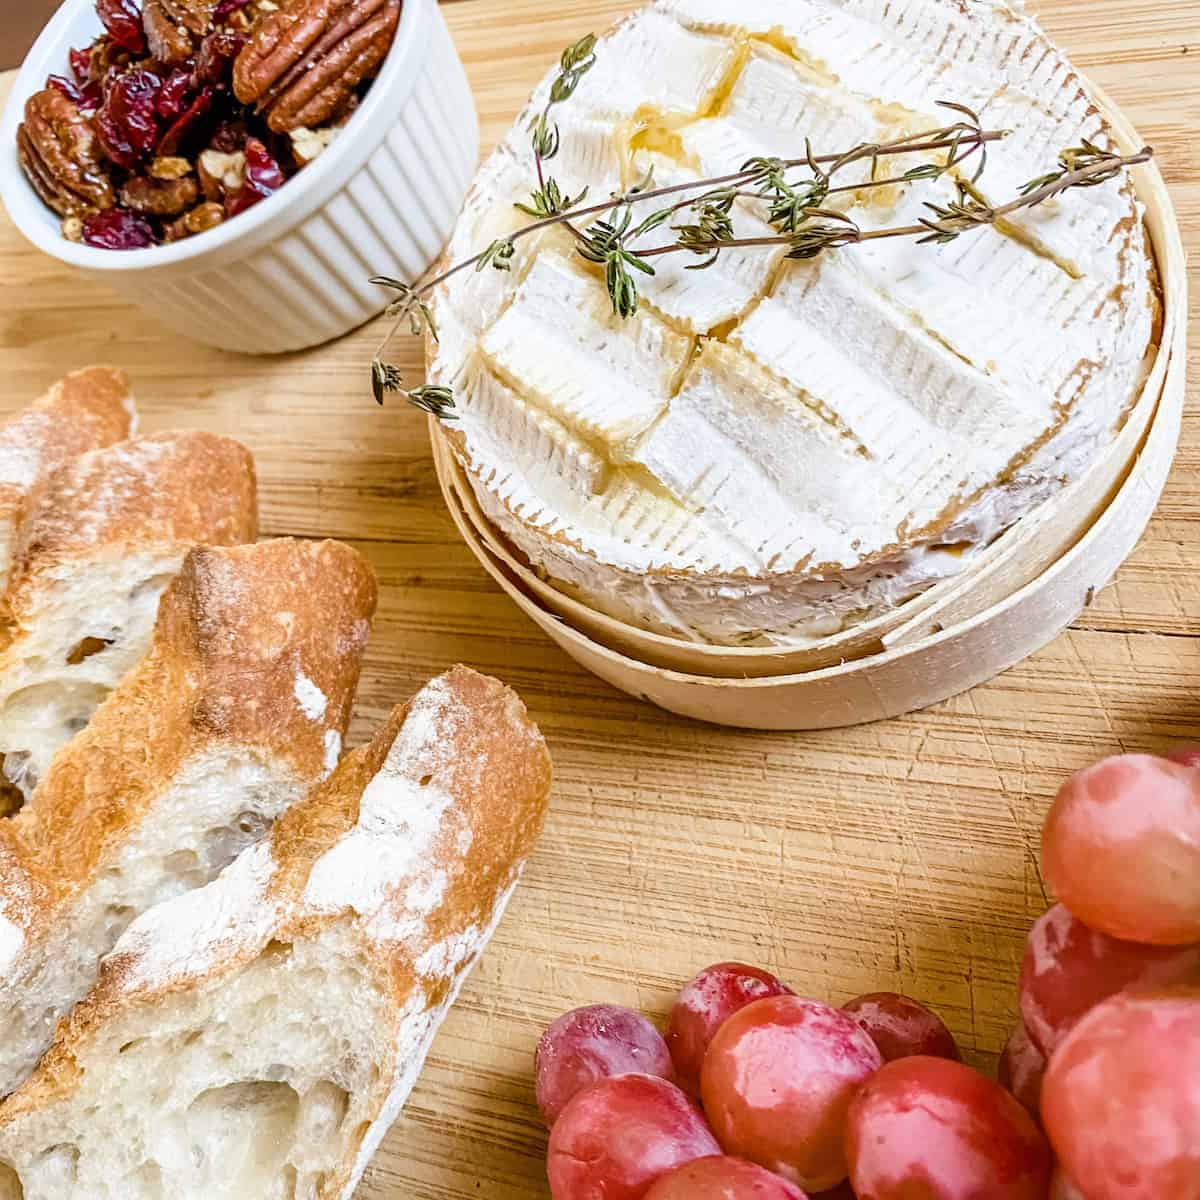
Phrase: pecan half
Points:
(160, 197)
(221, 173)
(304, 62)
(170, 43)
(60, 155)
(201, 219)
(193, 15)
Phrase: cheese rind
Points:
(772, 451)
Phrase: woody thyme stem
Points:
(903, 146)
(988, 215)
(796, 210)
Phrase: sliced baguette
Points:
(255, 1039)
(85, 411)
(236, 711)
(100, 539)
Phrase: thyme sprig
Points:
(700, 212)
(549, 200)
(437, 401)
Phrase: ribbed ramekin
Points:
(293, 271)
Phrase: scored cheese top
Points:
(772, 450)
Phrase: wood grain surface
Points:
(900, 855)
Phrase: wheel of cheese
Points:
(778, 455)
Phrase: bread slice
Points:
(85, 411)
(100, 539)
(255, 1039)
(236, 711)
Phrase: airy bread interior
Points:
(221, 801)
(242, 1088)
(255, 1039)
(238, 708)
(99, 540)
(93, 625)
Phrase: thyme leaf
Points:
(438, 401)
(701, 212)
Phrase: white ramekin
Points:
(293, 271)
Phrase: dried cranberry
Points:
(187, 127)
(226, 8)
(81, 64)
(127, 123)
(263, 177)
(87, 97)
(123, 21)
(174, 100)
(229, 137)
(214, 62)
(117, 229)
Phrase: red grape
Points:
(1061, 1188)
(1069, 968)
(843, 1191)
(594, 1043)
(935, 1129)
(723, 1178)
(900, 1026)
(777, 1081)
(1121, 848)
(1187, 756)
(1121, 1101)
(1022, 1067)
(616, 1137)
(705, 1005)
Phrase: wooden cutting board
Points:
(902, 855)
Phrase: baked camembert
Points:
(771, 451)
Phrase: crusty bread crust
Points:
(254, 660)
(466, 738)
(85, 411)
(190, 488)
(235, 629)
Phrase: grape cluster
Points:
(756, 1093)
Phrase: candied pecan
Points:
(221, 173)
(159, 197)
(201, 219)
(72, 229)
(194, 15)
(169, 167)
(61, 156)
(169, 42)
(309, 144)
(304, 62)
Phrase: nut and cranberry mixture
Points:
(185, 113)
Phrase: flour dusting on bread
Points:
(257, 1038)
(186, 764)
